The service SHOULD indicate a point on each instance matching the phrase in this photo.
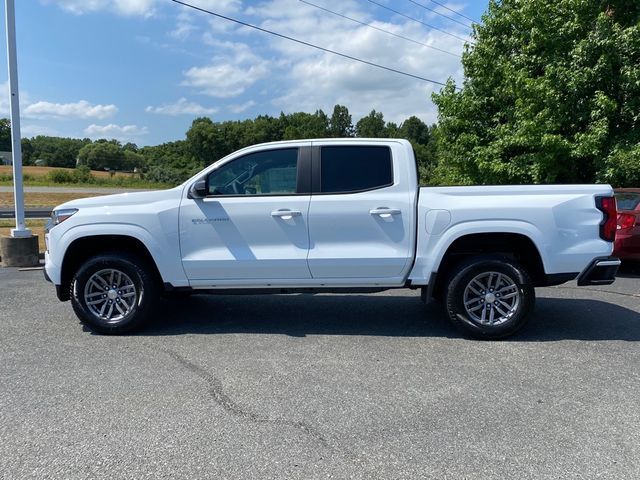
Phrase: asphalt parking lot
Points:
(325, 386)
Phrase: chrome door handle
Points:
(286, 214)
(385, 212)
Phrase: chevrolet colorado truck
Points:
(330, 215)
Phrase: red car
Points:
(627, 245)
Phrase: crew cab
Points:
(329, 215)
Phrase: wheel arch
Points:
(514, 245)
(88, 246)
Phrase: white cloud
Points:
(43, 109)
(223, 80)
(242, 107)
(230, 73)
(81, 109)
(121, 7)
(123, 133)
(181, 107)
(302, 78)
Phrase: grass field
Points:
(42, 172)
(42, 177)
(36, 226)
(32, 200)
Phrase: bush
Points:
(82, 174)
(168, 175)
(61, 176)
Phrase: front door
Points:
(252, 225)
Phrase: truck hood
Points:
(122, 199)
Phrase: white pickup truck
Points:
(331, 215)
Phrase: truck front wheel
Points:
(489, 297)
(113, 293)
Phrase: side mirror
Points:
(198, 189)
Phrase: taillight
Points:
(608, 225)
(626, 220)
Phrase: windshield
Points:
(627, 200)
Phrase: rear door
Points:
(361, 214)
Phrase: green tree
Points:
(56, 151)
(206, 140)
(372, 125)
(27, 151)
(304, 125)
(414, 130)
(102, 156)
(170, 162)
(340, 124)
(5, 135)
(551, 94)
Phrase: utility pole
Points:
(16, 147)
(21, 248)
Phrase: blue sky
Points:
(141, 70)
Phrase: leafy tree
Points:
(5, 135)
(263, 128)
(392, 130)
(169, 162)
(340, 124)
(102, 156)
(551, 94)
(27, 151)
(130, 146)
(56, 151)
(305, 125)
(372, 125)
(414, 130)
(133, 160)
(206, 140)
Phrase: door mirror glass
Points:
(198, 189)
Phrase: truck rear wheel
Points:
(489, 297)
(113, 293)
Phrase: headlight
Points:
(59, 216)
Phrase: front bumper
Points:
(601, 271)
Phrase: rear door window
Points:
(349, 169)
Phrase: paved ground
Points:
(326, 386)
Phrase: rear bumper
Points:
(601, 271)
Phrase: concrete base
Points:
(19, 252)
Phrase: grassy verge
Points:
(35, 199)
(36, 226)
(70, 177)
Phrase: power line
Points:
(421, 22)
(441, 14)
(453, 11)
(366, 62)
(379, 29)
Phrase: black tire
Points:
(138, 308)
(512, 305)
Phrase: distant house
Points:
(6, 158)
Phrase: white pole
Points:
(16, 147)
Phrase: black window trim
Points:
(303, 174)
(316, 170)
